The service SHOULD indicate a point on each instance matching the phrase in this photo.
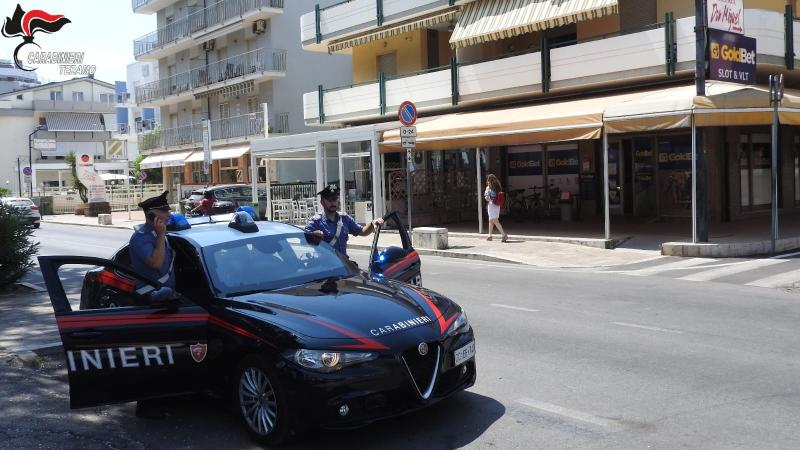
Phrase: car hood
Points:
(356, 308)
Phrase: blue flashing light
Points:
(249, 210)
(177, 222)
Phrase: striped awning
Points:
(489, 20)
(222, 153)
(243, 88)
(394, 30)
(174, 159)
(61, 121)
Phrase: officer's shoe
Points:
(145, 409)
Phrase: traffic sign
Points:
(142, 175)
(407, 113)
(27, 171)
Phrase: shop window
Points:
(755, 163)
(198, 175)
(675, 175)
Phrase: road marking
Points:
(569, 413)
(781, 280)
(732, 269)
(645, 327)
(517, 308)
(785, 256)
(677, 265)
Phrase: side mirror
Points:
(165, 296)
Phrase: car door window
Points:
(393, 255)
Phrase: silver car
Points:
(29, 210)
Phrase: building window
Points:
(281, 123)
(145, 70)
(252, 104)
(56, 95)
(229, 170)
(19, 97)
(198, 175)
(77, 96)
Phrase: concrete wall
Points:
(637, 13)
(410, 49)
(15, 129)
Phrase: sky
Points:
(103, 29)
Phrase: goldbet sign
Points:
(732, 57)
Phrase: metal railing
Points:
(207, 17)
(120, 197)
(239, 66)
(234, 127)
(136, 4)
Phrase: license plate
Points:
(464, 353)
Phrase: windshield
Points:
(20, 203)
(271, 262)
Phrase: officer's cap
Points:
(158, 202)
(331, 192)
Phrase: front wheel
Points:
(261, 401)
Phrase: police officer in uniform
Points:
(334, 227)
(150, 252)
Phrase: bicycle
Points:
(524, 206)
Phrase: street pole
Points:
(19, 178)
(700, 194)
(775, 97)
(409, 156)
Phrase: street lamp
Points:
(30, 157)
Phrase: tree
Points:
(5, 192)
(153, 175)
(76, 182)
(17, 250)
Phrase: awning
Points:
(151, 162)
(548, 122)
(725, 104)
(489, 20)
(110, 121)
(223, 153)
(174, 159)
(394, 30)
(61, 121)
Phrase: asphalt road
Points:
(566, 359)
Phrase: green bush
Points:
(16, 249)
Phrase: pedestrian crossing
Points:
(776, 273)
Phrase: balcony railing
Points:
(234, 127)
(239, 66)
(136, 4)
(72, 106)
(212, 15)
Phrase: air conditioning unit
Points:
(260, 26)
(208, 45)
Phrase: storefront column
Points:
(480, 193)
(269, 191)
(385, 200)
(606, 206)
(377, 179)
(775, 143)
(320, 167)
(342, 189)
(254, 179)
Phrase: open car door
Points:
(141, 340)
(392, 257)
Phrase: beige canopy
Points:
(548, 122)
(725, 104)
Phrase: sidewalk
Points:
(462, 245)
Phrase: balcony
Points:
(191, 136)
(71, 106)
(149, 6)
(623, 59)
(351, 17)
(261, 64)
(182, 33)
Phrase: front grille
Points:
(423, 369)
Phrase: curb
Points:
(447, 254)
(94, 225)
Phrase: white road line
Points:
(779, 280)
(569, 413)
(677, 265)
(645, 327)
(732, 269)
(517, 308)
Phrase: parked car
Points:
(29, 210)
(227, 197)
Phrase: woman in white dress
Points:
(493, 189)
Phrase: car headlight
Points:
(460, 324)
(329, 361)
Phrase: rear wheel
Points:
(261, 401)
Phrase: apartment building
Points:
(50, 121)
(133, 120)
(530, 90)
(237, 63)
(15, 79)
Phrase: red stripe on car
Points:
(443, 324)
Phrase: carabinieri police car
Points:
(290, 329)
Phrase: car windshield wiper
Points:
(252, 291)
